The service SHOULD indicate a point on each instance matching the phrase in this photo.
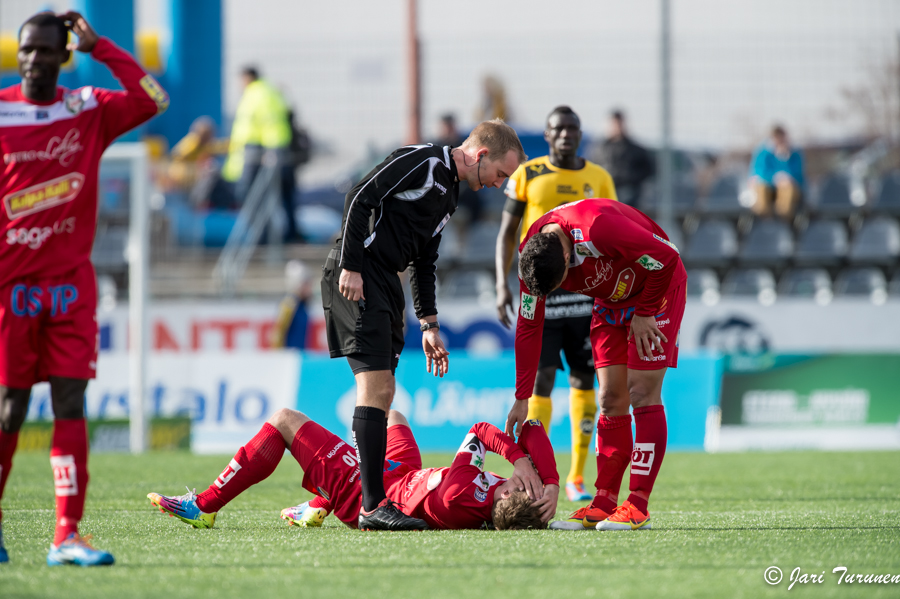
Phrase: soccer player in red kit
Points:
(460, 496)
(51, 142)
(619, 256)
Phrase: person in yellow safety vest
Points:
(261, 123)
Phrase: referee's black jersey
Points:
(395, 215)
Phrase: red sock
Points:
(613, 453)
(650, 434)
(7, 449)
(68, 457)
(253, 463)
(319, 501)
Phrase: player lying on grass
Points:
(460, 496)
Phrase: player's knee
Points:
(642, 394)
(13, 408)
(583, 380)
(286, 417)
(67, 397)
(395, 417)
(613, 402)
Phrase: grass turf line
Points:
(720, 521)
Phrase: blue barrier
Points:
(479, 388)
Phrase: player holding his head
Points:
(393, 220)
(51, 140)
(460, 496)
(619, 256)
(537, 186)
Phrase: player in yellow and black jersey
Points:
(536, 187)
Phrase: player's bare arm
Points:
(351, 285)
(87, 37)
(646, 335)
(506, 245)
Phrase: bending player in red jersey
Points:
(51, 141)
(619, 256)
(460, 496)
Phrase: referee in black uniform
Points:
(392, 221)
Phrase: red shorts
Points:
(48, 327)
(330, 469)
(609, 334)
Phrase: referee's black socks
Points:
(370, 438)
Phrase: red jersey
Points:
(620, 257)
(462, 496)
(51, 157)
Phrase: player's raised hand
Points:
(547, 503)
(516, 418)
(504, 305)
(647, 336)
(437, 358)
(526, 478)
(87, 37)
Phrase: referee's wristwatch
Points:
(429, 325)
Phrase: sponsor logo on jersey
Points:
(332, 453)
(41, 115)
(58, 148)
(534, 422)
(156, 92)
(230, 470)
(649, 263)
(35, 237)
(642, 458)
(586, 249)
(480, 495)
(472, 445)
(602, 272)
(43, 195)
(482, 481)
(441, 188)
(577, 235)
(528, 305)
(662, 323)
(588, 190)
(65, 477)
(667, 242)
(623, 285)
(567, 190)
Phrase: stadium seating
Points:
(832, 197)
(894, 284)
(723, 199)
(860, 280)
(887, 201)
(877, 242)
(108, 254)
(824, 243)
(480, 244)
(684, 198)
(754, 282)
(714, 244)
(701, 280)
(805, 282)
(770, 242)
(467, 284)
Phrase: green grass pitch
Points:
(720, 521)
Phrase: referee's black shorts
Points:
(368, 332)
(567, 329)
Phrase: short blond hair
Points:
(517, 512)
(498, 137)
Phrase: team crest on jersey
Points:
(528, 305)
(156, 93)
(74, 100)
(667, 242)
(649, 263)
(577, 235)
(588, 190)
(480, 495)
(482, 481)
(43, 195)
(587, 249)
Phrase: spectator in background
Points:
(493, 104)
(293, 317)
(262, 123)
(629, 163)
(194, 168)
(449, 134)
(776, 176)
